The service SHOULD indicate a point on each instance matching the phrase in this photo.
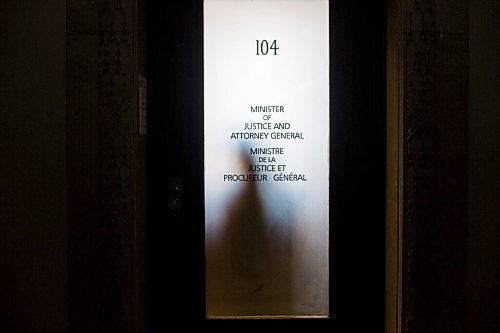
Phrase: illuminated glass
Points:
(266, 79)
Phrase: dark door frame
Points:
(358, 163)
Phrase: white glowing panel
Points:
(266, 157)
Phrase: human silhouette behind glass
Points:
(248, 268)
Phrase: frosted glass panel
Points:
(266, 85)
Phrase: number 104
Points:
(263, 47)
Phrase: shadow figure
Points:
(249, 263)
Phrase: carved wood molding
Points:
(430, 301)
(114, 193)
(104, 167)
(419, 165)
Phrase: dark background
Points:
(33, 212)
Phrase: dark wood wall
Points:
(73, 166)
(434, 109)
(106, 166)
(483, 252)
(33, 229)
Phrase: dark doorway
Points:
(358, 160)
